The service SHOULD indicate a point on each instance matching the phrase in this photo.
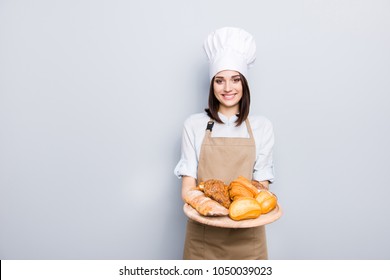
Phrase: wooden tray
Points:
(226, 222)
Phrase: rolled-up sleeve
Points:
(264, 167)
(188, 163)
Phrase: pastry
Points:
(242, 187)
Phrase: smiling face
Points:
(228, 91)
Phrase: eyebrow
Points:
(220, 77)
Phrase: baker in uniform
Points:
(225, 142)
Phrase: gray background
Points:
(93, 96)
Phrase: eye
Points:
(237, 80)
(218, 81)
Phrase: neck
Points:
(228, 111)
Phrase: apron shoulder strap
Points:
(210, 125)
(249, 128)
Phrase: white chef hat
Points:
(230, 48)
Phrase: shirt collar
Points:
(227, 120)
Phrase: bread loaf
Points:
(244, 208)
(267, 201)
(204, 205)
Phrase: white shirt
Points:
(195, 129)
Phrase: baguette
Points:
(203, 204)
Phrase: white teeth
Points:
(229, 96)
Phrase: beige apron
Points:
(225, 158)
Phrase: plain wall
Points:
(93, 96)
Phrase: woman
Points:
(224, 143)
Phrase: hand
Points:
(188, 183)
(262, 185)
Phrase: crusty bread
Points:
(203, 204)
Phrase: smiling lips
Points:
(229, 96)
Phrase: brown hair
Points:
(244, 104)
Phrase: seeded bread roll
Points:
(218, 191)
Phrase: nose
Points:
(228, 86)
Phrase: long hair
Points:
(244, 104)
